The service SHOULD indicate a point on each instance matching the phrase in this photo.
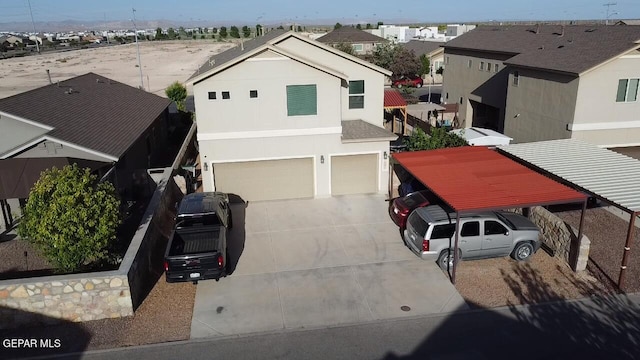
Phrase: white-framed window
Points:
(356, 94)
(495, 68)
(358, 47)
(489, 66)
(481, 66)
(469, 63)
(627, 90)
(226, 95)
(212, 95)
(253, 94)
(516, 78)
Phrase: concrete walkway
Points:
(318, 263)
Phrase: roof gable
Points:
(348, 34)
(421, 47)
(570, 49)
(90, 111)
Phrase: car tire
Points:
(445, 260)
(418, 85)
(522, 251)
(399, 86)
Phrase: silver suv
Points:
(430, 235)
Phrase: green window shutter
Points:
(622, 90)
(302, 100)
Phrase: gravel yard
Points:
(608, 234)
(13, 262)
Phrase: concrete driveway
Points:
(318, 263)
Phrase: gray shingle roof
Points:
(348, 34)
(361, 131)
(423, 47)
(228, 55)
(91, 111)
(570, 49)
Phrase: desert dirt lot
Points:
(163, 62)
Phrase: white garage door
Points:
(354, 174)
(267, 179)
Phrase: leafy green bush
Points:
(439, 139)
(70, 218)
(178, 93)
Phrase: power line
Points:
(609, 14)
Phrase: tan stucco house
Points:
(362, 42)
(284, 116)
(434, 51)
(544, 82)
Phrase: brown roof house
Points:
(361, 41)
(434, 51)
(545, 82)
(89, 120)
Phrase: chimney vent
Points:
(49, 77)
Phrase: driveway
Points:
(318, 263)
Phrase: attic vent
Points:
(560, 46)
(98, 81)
(70, 91)
(212, 62)
(541, 48)
(590, 30)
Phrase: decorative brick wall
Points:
(98, 295)
(561, 238)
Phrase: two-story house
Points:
(545, 82)
(283, 116)
(362, 42)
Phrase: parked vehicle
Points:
(197, 248)
(430, 235)
(410, 81)
(401, 207)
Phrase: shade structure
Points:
(473, 178)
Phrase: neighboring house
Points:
(396, 34)
(89, 120)
(628, 22)
(430, 33)
(361, 41)
(284, 116)
(434, 52)
(454, 30)
(547, 82)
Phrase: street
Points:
(423, 93)
(596, 328)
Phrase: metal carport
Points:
(602, 173)
(474, 178)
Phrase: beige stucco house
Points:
(434, 51)
(547, 82)
(362, 42)
(284, 116)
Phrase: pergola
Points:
(393, 100)
(607, 175)
(472, 178)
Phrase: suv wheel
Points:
(522, 251)
(419, 85)
(445, 260)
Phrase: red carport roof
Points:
(393, 99)
(477, 178)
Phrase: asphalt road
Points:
(597, 328)
(423, 93)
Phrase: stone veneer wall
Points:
(98, 295)
(561, 238)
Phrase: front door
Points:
(470, 241)
(497, 239)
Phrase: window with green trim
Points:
(302, 100)
(356, 94)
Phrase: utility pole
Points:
(135, 28)
(34, 26)
(609, 14)
(107, 28)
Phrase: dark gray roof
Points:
(348, 34)
(420, 47)
(90, 111)
(570, 49)
(360, 131)
(228, 55)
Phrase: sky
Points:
(350, 11)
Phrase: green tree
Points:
(178, 93)
(246, 32)
(234, 32)
(379, 23)
(70, 218)
(359, 27)
(206, 30)
(280, 27)
(159, 34)
(215, 30)
(223, 32)
(181, 30)
(404, 62)
(259, 30)
(337, 26)
(171, 33)
(439, 139)
(368, 27)
(440, 70)
(202, 37)
(383, 55)
(425, 65)
(344, 47)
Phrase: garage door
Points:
(354, 174)
(267, 179)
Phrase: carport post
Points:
(455, 249)
(627, 247)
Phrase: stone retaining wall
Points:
(561, 238)
(98, 295)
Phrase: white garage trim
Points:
(380, 164)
